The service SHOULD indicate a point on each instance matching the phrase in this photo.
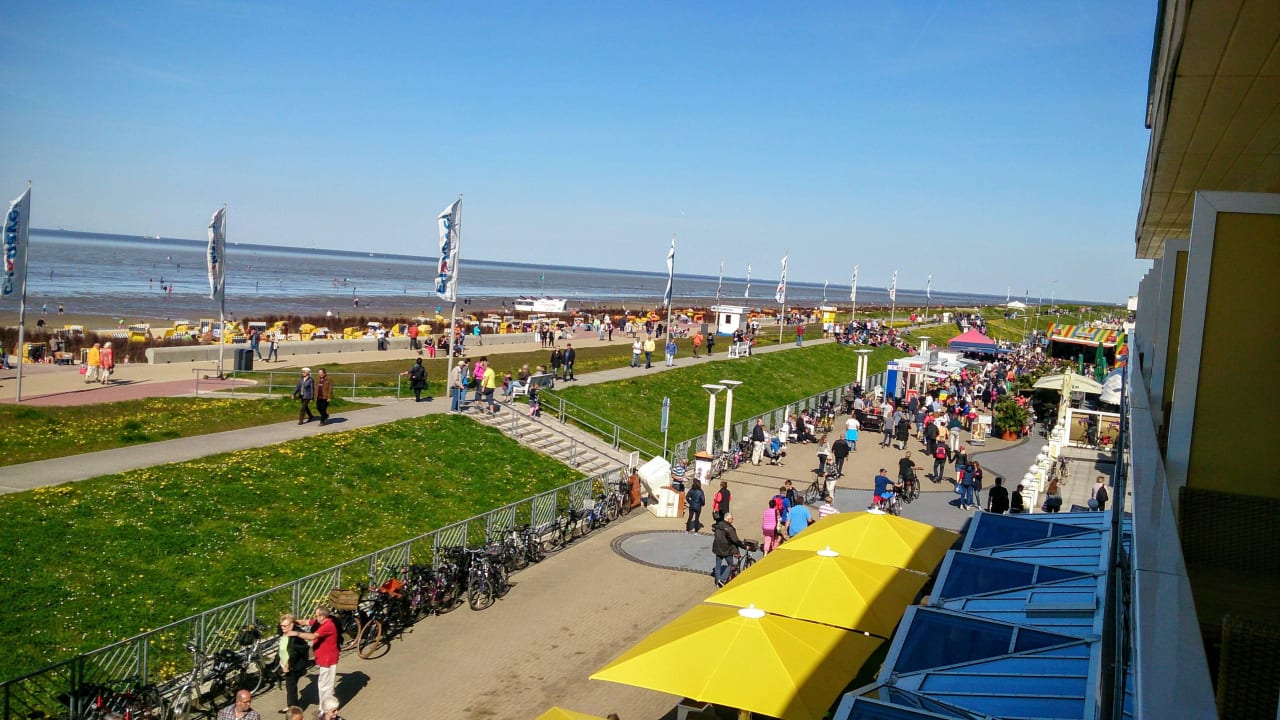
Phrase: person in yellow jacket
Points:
(649, 347)
(489, 383)
(94, 362)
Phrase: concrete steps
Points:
(565, 443)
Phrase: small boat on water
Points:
(541, 305)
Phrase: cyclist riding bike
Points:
(907, 474)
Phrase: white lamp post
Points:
(712, 391)
(728, 410)
(861, 373)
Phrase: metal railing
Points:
(282, 382)
(517, 427)
(159, 655)
(618, 436)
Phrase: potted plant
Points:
(1010, 418)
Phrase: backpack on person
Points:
(940, 452)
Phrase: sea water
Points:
(126, 276)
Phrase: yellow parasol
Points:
(746, 659)
(880, 538)
(826, 587)
(559, 713)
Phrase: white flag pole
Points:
(456, 231)
(853, 296)
(893, 300)
(671, 274)
(25, 237)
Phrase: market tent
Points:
(1070, 382)
(974, 341)
(826, 587)
(746, 659)
(1111, 387)
(1016, 305)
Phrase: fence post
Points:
(353, 386)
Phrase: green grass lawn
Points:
(39, 433)
(769, 381)
(96, 561)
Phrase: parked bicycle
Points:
(486, 579)
(128, 698)
(215, 678)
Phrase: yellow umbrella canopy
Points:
(559, 713)
(878, 537)
(826, 587)
(746, 659)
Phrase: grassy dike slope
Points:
(96, 561)
(769, 381)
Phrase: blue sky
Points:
(992, 144)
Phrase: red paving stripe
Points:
(92, 394)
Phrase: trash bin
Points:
(244, 359)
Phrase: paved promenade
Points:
(565, 617)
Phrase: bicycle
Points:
(389, 613)
(216, 678)
(486, 579)
(742, 560)
(93, 701)
(350, 614)
(891, 503)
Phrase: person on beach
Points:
(305, 391)
(671, 351)
(93, 362)
(697, 343)
(107, 364)
(273, 349)
(569, 357)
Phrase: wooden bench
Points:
(545, 381)
(739, 349)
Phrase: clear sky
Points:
(992, 144)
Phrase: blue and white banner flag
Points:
(853, 286)
(747, 293)
(893, 288)
(671, 272)
(720, 283)
(928, 288)
(217, 254)
(449, 223)
(17, 228)
(781, 294)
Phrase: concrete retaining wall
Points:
(209, 353)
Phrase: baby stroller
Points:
(775, 451)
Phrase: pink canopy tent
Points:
(974, 341)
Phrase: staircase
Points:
(571, 446)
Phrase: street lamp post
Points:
(728, 411)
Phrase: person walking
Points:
(694, 500)
(720, 503)
(324, 643)
(273, 348)
(1100, 495)
(799, 335)
(324, 394)
(255, 342)
(1016, 505)
(649, 346)
(569, 357)
(417, 379)
(697, 343)
(557, 361)
(293, 653)
(637, 347)
(93, 363)
(769, 523)
(1052, 497)
(456, 387)
(489, 385)
(107, 364)
(839, 451)
(305, 391)
(759, 438)
(711, 342)
(998, 497)
(724, 546)
(851, 427)
(671, 352)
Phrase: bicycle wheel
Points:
(348, 631)
(370, 639)
(479, 592)
(612, 509)
(181, 707)
(501, 581)
(252, 675)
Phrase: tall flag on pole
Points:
(671, 272)
(928, 288)
(447, 278)
(218, 254)
(893, 288)
(747, 293)
(17, 228)
(824, 290)
(720, 283)
(781, 294)
(853, 286)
